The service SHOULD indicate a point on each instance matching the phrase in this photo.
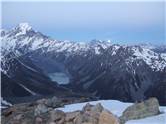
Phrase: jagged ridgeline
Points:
(33, 64)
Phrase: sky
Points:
(120, 22)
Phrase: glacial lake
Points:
(59, 77)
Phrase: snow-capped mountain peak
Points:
(24, 27)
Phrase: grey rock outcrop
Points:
(140, 110)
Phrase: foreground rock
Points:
(93, 114)
(144, 109)
(107, 117)
(39, 112)
(44, 112)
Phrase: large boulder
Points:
(70, 116)
(57, 116)
(95, 114)
(89, 115)
(87, 107)
(40, 109)
(107, 117)
(54, 102)
(78, 119)
(95, 108)
(51, 102)
(144, 109)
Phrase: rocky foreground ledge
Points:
(44, 112)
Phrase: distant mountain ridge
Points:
(109, 71)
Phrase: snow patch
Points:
(30, 91)
(4, 103)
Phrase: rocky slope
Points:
(106, 70)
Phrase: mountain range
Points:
(33, 64)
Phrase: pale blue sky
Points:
(125, 22)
